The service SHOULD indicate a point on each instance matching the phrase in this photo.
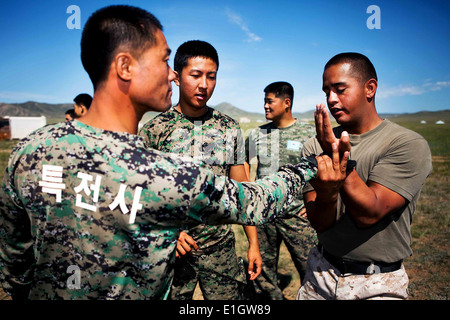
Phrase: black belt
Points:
(359, 267)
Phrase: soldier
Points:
(363, 217)
(192, 128)
(273, 145)
(87, 211)
(70, 115)
(82, 103)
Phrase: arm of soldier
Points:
(220, 200)
(321, 204)
(254, 255)
(240, 173)
(16, 243)
(368, 203)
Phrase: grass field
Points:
(428, 268)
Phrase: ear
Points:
(177, 78)
(287, 103)
(123, 65)
(371, 88)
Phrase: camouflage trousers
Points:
(298, 236)
(220, 275)
(325, 282)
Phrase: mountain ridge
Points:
(57, 112)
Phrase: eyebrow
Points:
(337, 84)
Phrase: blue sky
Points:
(258, 42)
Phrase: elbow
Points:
(366, 221)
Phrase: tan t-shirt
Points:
(396, 158)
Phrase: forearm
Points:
(252, 236)
(220, 200)
(368, 203)
(321, 210)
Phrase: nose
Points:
(203, 83)
(332, 98)
(172, 75)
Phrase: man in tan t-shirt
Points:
(362, 218)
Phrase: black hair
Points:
(71, 113)
(83, 99)
(192, 49)
(361, 67)
(281, 89)
(114, 27)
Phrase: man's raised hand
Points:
(325, 134)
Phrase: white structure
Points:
(439, 122)
(423, 122)
(20, 127)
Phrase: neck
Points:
(284, 121)
(113, 112)
(189, 111)
(363, 126)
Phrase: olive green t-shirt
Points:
(398, 159)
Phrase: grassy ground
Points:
(428, 268)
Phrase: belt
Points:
(359, 267)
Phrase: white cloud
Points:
(410, 90)
(237, 20)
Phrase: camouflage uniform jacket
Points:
(88, 213)
(273, 147)
(215, 139)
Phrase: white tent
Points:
(20, 127)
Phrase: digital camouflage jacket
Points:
(93, 214)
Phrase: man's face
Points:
(151, 86)
(274, 107)
(68, 117)
(197, 82)
(345, 94)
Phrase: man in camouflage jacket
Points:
(86, 211)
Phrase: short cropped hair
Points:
(83, 99)
(361, 67)
(110, 29)
(192, 49)
(281, 89)
(71, 113)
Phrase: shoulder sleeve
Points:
(239, 147)
(149, 134)
(405, 166)
(250, 146)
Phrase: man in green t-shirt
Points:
(362, 218)
(268, 147)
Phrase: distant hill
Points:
(34, 109)
(428, 116)
(56, 112)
